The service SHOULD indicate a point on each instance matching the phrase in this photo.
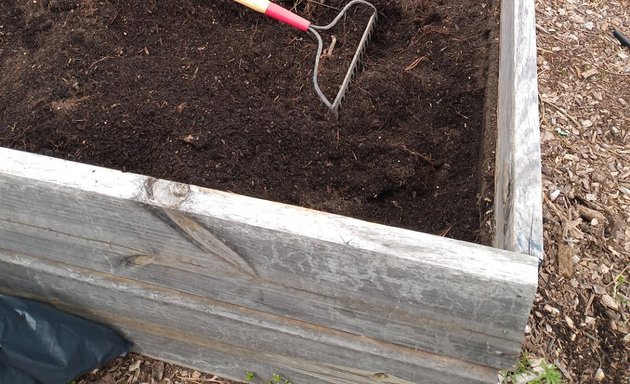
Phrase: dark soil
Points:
(212, 94)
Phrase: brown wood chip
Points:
(565, 260)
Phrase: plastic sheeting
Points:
(42, 345)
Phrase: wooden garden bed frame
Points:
(228, 284)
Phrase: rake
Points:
(284, 15)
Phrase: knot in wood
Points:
(167, 193)
(380, 376)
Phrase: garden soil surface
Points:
(212, 94)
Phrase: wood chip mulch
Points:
(581, 316)
(139, 369)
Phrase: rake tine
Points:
(354, 66)
(277, 12)
(356, 59)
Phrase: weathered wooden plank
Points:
(224, 338)
(438, 295)
(273, 288)
(518, 188)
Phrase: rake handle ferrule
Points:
(277, 12)
(282, 14)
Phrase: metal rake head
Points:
(336, 103)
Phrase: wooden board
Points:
(454, 301)
(229, 284)
(518, 185)
(226, 338)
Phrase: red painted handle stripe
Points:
(286, 16)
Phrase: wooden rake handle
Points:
(277, 12)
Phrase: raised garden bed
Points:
(214, 95)
(205, 93)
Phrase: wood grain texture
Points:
(224, 338)
(227, 283)
(518, 185)
(419, 291)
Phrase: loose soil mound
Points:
(212, 94)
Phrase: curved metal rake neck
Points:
(336, 103)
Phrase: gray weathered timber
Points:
(227, 284)
(223, 337)
(518, 190)
(441, 299)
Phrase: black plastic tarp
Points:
(43, 345)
